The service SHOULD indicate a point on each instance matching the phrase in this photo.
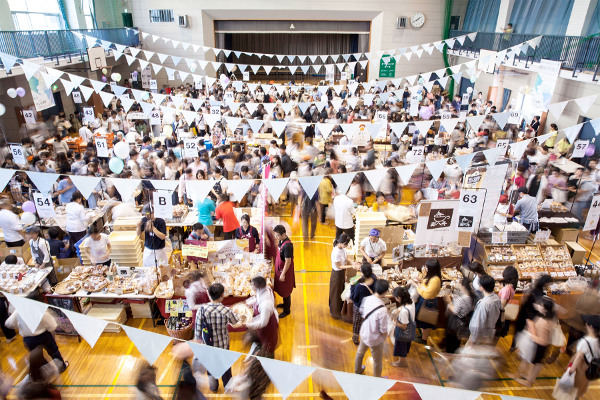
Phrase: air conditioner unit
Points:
(401, 22)
(182, 21)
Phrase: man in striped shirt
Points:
(217, 316)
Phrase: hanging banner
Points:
(101, 147)
(77, 97)
(88, 114)
(29, 116)
(543, 88)
(190, 149)
(591, 221)
(44, 205)
(579, 148)
(162, 204)
(43, 98)
(361, 137)
(436, 223)
(17, 153)
(387, 67)
(146, 77)
(469, 211)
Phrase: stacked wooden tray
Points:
(126, 248)
(111, 313)
(365, 221)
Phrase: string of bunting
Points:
(285, 376)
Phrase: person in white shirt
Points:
(133, 137)
(85, 133)
(373, 248)
(77, 220)
(182, 189)
(11, 225)
(266, 321)
(373, 330)
(340, 262)
(343, 207)
(405, 320)
(588, 348)
(40, 249)
(97, 247)
(114, 122)
(41, 336)
(133, 164)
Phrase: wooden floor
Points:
(309, 336)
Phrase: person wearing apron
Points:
(285, 281)
(40, 251)
(247, 231)
(265, 321)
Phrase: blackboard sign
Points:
(65, 327)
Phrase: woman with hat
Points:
(340, 262)
(373, 248)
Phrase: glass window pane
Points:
(17, 5)
(47, 6)
(89, 23)
(22, 22)
(38, 21)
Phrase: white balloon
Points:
(28, 218)
(469, 90)
(122, 150)
(2, 109)
(12, 93)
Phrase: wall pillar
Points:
(6, 20)
(504, 13)
(581, 15)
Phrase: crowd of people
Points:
(475, 309)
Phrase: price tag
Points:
(153, 84)
(155, 117)
(579, 148)
(163, 204)
(239, 256)
(17, 153)
(416, 155)
(44, 205)
(246, 76)
(499, 237)
(514, 118)
(502, 144)
(215, 110)
(201, 251)
(190, 148)
(591, 221)
(76, 97)
(381, 116)
(88, 114)
(101, 147)
(542, 236)
(228, 95)
(189, 314)
(29, 116)
(174, 314)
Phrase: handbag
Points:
(427, 314)
(593, 370)
(565, 389)
(526, 346)
(557, 337)
(511, 310)
(347, 311)
(408, 334)
(454, 324)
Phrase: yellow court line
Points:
(165, 370)
(306, 329)
(498, 373)
(129, 350)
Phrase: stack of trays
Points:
(126, 248)
(111, 313)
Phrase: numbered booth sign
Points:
(101, 147)
(155, 117)
(44, 205)
(88, 114)
(29, 116)
(190, 148)
(416, 155)
(502, 144)
(17, 153)
(579, 148)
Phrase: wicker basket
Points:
(184, 334)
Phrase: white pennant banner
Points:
(43, 181)
(85, 184)
(125, 187)
(492, 155)
(285, 376)
(165, 185)
(343, 181)
(464, 161)
(5, 177)
(310, 184)
(556, 109)
(240, 187)
(572, 132)
(585, 103)
(517, 149)
(276, 186)
(149, 344)
(217, 361)
(89, 328)
(432, 392)
(363, 387)
(436, 167)
(198, 190)
(375, 177)
(30, 311)
(406, 172)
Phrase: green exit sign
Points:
(387, 67)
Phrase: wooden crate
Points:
(111, 313)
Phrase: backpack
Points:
(408, 334)
(593, 370)
(205, 330)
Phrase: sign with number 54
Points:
(44, 205)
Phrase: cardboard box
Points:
(392, 235)
(577, 252)
(23, 251)
(563, 235)
(64, 266)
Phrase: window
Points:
(161, 16)
(36, 15)
(88, 13)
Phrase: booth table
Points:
(566, 165)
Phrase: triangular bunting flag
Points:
(398, 128)
(556, 109)
(85, 184)
(464, 161)
(97, 85)
(30, 69)
(68, 85)
(363, 387)
(449, 124)
(118, 90)
(275, 186)
(147, 107)
(374, 129)
(310, 184)
(8, 61)
(267, 68)
(476, 121)
(30, 311)
(86, 91)
(542, 139)
(87, 327)
(427, 392)
(492, 155)
(585, 103)
(501, 118)
(406, 172)
(325, 129)
(198, 190)
(285, 376)
(217, 361)
(125, 187)
(255, 124)
(5, 177)
(164, 185)
(343, 181)
(149, 344)
(211, 119)
(518, 148)
(436, 167)
(278, 126)
(423, 126)
(240, 187)
(375, 177)
(43, 181)
(189, 116)
(106, 98)
(595, 123)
